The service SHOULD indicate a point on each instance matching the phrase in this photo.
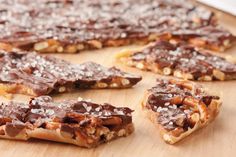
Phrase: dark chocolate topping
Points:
(44, 74)
(185, 58)
(45, 108)
(42, 110)
(75, 21)
(167, 98)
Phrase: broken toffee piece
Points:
(33, 74)
(178, 108)
(77, 122)
(77, 25)
(180, 60)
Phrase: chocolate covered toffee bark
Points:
(78, 122)
(71, 26)
(33, 74)
(178, 108)
(180, 60)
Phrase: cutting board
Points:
(218, 139)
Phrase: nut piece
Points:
(167, 71)
(95, 43)
(188, 76)
(125, 82)
(40, 46)
(195, 117)
(71, 49)
(178, 73)
(140, 65)
(101, 85)
(60, 49)
(114, 85)
(109, 136)
(80, 47)
(205, 78)
(121, 132)
(219, 75)
(62, 89)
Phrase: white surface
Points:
(225, 5)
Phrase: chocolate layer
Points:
(184, 58)
(45, 74)
(69, 116)
(24, 23)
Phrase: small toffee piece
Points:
(32, 74)
(78, 122)
(178, 108)
(77, 25)
(180, 60)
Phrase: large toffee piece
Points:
(69, 26)
(180, 60)
(77, 122)
(32, 74)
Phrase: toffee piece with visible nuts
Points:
(180, 60)
(64, 26)
(33, 74)
(178, 108)
(78, 122)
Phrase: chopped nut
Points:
(188, 76)
(167, 138)
(198, 42)
(109, 136)
(167, 71)
(121, 132)
(140, 65)
(226, 43)
(205, 78)
(95, 43)
(114, 85)
(71, 49)
(195, 117)
(62, 89)
(80, 46)
(40, 46)
(125, 82)
(152, 37)
(60, 49)
(101, 85)
(178, 73)
(80, 99)
(219, 75)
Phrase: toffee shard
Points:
(178, 108)
(82, 123)
(32, 74)
(71, 28)
(180, 60)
